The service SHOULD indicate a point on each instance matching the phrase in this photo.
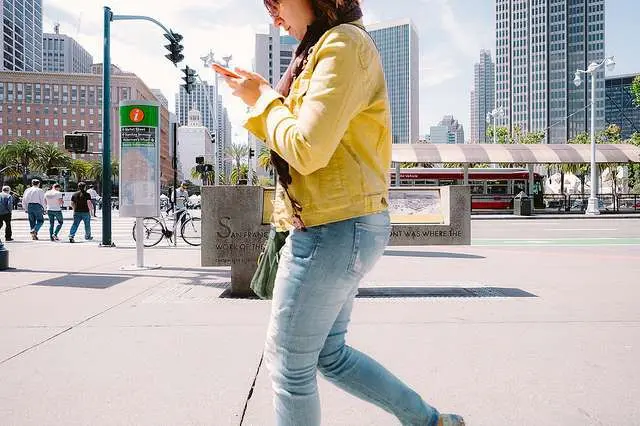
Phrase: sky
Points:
(451, 34)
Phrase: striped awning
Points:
(514, 153)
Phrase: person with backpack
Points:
(6, 206)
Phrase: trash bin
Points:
(522, 205)
(4, 257)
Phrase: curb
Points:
(555, 217)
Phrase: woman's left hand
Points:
(249, 87)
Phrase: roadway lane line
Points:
(581, 229)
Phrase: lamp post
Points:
(495, 114)
(592, 207)
(208, 60)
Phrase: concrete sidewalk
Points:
(518, 336)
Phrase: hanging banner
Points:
(139, 159)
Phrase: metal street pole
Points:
(106, 116)
(592, 207)
(106, 132)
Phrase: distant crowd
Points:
(36, 202)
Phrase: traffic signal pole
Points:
(106, 113)
(106, 131)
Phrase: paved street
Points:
(536, 323)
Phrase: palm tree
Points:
(20, 155)
(240, 173)
(80, 169)
(264, 160)
(206, 177)
(238, 153)
(50, 156)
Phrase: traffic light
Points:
(199, 160)
(213, 137)
(251, 153)
(189, 78)
(174, 47)
(76, 143)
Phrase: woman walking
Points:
(54, 199)
(328, 126)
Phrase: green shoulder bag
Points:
(265, 276)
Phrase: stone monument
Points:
(235, 227)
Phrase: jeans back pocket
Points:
(369, 243)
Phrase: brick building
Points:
(43, 107)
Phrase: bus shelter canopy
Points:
(514, 153)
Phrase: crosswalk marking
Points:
(121, 232)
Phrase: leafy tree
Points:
(579, 170)
(264, 160)
(502, 134)
(635, 89)
(50, 156)
(634, 169)
(20, 156)
(207, 178)
(80, 169)
(532, 137)
(238, 154)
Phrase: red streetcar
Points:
(491, 188)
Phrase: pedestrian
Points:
(6, 206)
(33, 204)
(54, 199)
(94, 198)
(81, 205)
(181, 195)
(328, 126)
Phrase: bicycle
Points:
(155, 229)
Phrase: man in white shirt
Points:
(94, 198)
(33, 203)
(54, 199)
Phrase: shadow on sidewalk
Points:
(434, 254)
(102, 280)
(406, 292)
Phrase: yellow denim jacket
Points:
(334, 130)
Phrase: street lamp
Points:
(208, 60)
(592, 207)
(496, 113)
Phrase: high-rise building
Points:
(21, 42)
(160, 97)
(397, 42)
(222, 147)
(473, 113)
(482, 97)
(202, 98)
(273, 54)
(448, 131)
(539, 46)
(61, 53)
(620, 106)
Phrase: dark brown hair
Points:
(328, 8)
